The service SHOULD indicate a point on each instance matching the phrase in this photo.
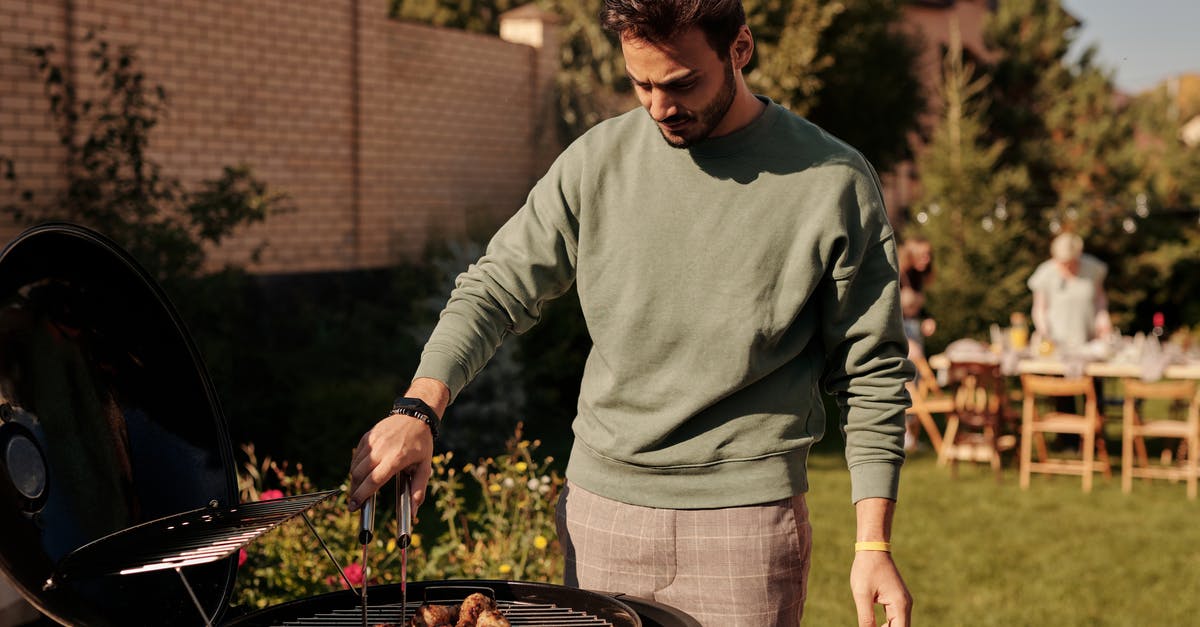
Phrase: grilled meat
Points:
(472, 607)
(435, 616)
(491, 618)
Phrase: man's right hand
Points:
(398, 443)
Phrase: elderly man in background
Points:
(1069, 305)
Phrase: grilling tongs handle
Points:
(403, 510)
(366, 524)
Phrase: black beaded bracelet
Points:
(418, 409)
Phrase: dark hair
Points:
(659, 21)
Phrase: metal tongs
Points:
(403, 533)
(366, 533)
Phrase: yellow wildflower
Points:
(521, 466)
(391, 545)
(494, 488)
(540, 542)
(415, 541)
(505, 569)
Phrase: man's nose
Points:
(662, 105)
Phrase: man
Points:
(1069, 304)
(725, 273)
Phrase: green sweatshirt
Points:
(722, 285)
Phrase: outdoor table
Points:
(1108, 369)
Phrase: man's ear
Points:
(742, 48)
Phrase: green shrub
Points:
(490, 520)
(114, 186)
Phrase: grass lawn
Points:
(975, 552)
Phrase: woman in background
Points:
(916, 274)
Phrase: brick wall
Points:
(381, 132)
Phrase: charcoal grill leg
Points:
(199, 608)
(330, 554)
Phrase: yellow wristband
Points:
(886, 547)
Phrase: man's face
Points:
(684, 85)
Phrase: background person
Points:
(915, 257)
(731, 260)
(1070, 309)
(1069, 304)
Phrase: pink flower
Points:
(242, 557)
(270, 495)
(354, 572)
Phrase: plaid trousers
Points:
(736, 566)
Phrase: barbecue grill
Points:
(118, 498)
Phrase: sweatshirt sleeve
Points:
(531, 259)
(866, 352)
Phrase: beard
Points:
(710, 115)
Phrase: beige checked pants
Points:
(737, 566)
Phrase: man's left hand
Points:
(874, 578)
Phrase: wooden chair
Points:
(979, 428)
(1134, 461)
(1034, 423)
(928, 399)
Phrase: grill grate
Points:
(517, 612)
(196, 537)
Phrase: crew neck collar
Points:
(738, 140)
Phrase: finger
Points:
(865, 606)
(897, 616)
(371, 483)
(420, 483)
(362, 468)
(361, 450)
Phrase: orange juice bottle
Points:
(1018, 333)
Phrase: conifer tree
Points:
(976, 233)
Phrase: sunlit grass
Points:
(975, 552)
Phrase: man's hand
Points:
(874, 578)
(398, 443)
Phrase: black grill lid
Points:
(107, 420)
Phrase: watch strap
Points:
(419, 409)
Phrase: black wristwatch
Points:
(418, 409)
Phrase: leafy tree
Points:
(1088, 173)
(1166, 267)
(789, 54)
(591, 83)
(480, 16)
(978, 242)
(115, 187)
(869, 94)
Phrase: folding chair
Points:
(1134, 461)
(1035, 423)
(928, 399)
(978, 430)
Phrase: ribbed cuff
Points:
(874, 479)
(444, 368)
